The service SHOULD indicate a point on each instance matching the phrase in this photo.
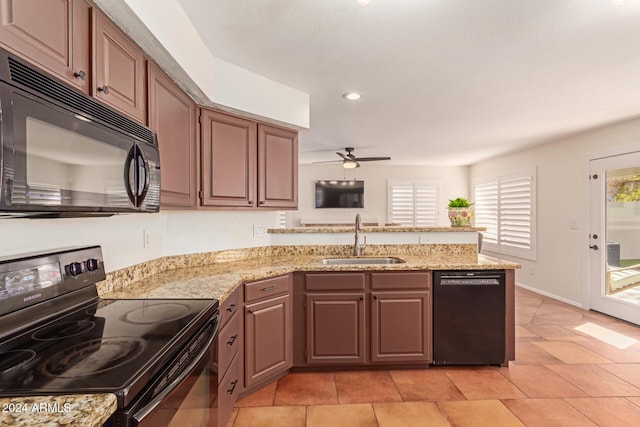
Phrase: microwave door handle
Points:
(143, 178)
(146, 410)
(128, 178)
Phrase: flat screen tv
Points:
(340, 194)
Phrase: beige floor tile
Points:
(412, 414)
(307, 388)
(570, 352)
(483, 384)
(359, 415)
(595, 381)
(480, 413)
(261, 397)
(608, 411)
(547, 412)
(273, 416)
(425, 384)
(529, 354)
(539, 381)
(366, 386)
(630, 372)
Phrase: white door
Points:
(614, 239)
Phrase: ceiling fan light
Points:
(349, 164)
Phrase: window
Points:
(505, 205)
(413, 203)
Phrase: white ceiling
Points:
(444, 81)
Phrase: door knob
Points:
(594, 247)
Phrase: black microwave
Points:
(66, 154)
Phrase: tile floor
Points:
(561, 377)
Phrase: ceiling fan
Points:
(350, 161)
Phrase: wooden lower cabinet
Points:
(227, 361)
(356, 318)
(335, 328)
(268, 339)
(400, 329)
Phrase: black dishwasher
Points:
(469, 317)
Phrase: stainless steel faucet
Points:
(357, 247)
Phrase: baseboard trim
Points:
(550, 295)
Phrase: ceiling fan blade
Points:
(328, 161)
(342, 155)
(371, 159)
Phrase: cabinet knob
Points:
(104, 89)
(80, 75)
(231, 308)
(375, 297)
(250, 202)
(262, 202)
(232, 339)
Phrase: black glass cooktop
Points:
(104, 346)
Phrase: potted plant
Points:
(460, 212)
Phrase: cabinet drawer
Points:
(266, 288)
(393, 281)
(228, 390)
(229, 341)
(335, 282)
(229, 306)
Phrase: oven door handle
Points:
(147, 409)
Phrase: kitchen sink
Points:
(367, 260)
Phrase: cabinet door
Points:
(268, 335)
(119, 70)
(400, 327)
(335, 329)
(53, 34)
(278, 167)
(228, 160)
(172, 114)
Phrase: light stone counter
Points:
(379, 229)
(81, 410)
(218, 280)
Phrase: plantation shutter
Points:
(486, 211)
(515, 212)
(506, 207)
(413, 203)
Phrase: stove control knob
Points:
(91, 264)
(74, 269)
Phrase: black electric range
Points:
(58, 337)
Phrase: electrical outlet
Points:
(259, 230)
(146, 238)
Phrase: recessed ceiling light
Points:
(352, 96)
(362, 3)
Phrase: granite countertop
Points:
(380, 229)
(219, 280)
(81, 410)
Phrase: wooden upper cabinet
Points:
(53, 34)
(228, 159)
(173, 115)
(278, 167)
(119, 70)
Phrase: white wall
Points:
(222, 82)
(561, 199)
(453, 183)
(122, 236)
